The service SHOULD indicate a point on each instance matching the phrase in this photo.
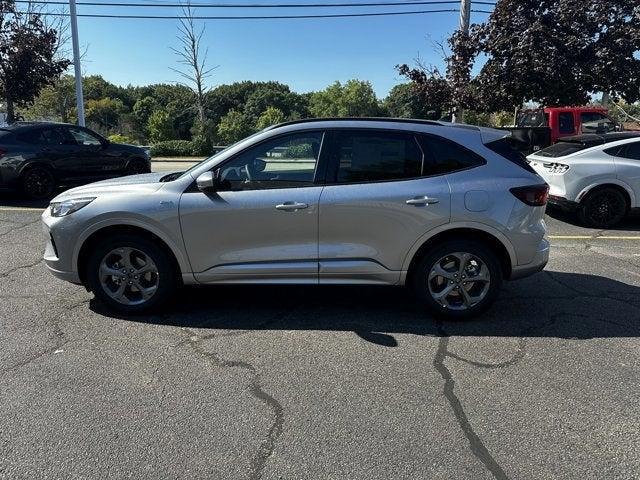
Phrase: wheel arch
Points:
(482, 233)
(622, 187)
(93, 237)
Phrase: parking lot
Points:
(328, 383)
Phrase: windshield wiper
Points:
(171, 176)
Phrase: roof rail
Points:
(357, 119)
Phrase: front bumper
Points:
(537, 264)
(58, 254)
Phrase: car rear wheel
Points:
(603, 208)
(458, 279)
(38, 183)
(130, 274)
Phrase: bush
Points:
(119, 138)
(299, 151)
(200, 146)
(169, 148)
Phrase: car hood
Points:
(147, 182)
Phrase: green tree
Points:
(234, 126)
(161, 126)
(28, 48)
(56, 102)
(142, 110)
(355, 98)
(404, 102)
(271, 116)
(104, 113)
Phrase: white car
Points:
(597, 176)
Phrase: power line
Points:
(257, 5)
(267, 17)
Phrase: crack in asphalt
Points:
(20, 267)
(20, 226)
(266, 448)
(478, 448)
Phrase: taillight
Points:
(534, 195)
(557, 168)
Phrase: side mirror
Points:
(206, 182)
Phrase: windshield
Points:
(532, 118)
(174, 176)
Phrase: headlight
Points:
(67, 207)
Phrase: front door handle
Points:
(424, 200)
(291, 206)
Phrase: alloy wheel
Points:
(128, 275)
(459, 281)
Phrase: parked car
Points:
(450, 210)
(37, 158)
(597, 176)
(536, 129)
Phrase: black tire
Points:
(603, 208)
(166, 275)
(136, 166)
(480, 254)
(38, 183)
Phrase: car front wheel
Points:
(130, 274)
(458, 279)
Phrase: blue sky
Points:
(306, 54)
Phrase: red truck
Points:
(539, 128)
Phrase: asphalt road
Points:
(324, 383)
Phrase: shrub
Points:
(169, 148)
(299, 151)
(119, 138)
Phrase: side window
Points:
(445, 156)
(631, 151)
(566, 123)
(285, 162)
(593, 122)
(42, 136)
(83, 137)
(374, 156)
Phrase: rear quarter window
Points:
(507, 150)
(444, 156)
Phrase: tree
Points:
(28, 49)
(105, 112)
(431, 88)
(271, 116)
(234, 126)
(557, 52)
(402, 102)
(192, 57)
(56, 102)
(355, 98)
(161, 126)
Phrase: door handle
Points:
(424, 200)
(291, 206)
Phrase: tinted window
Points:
(444, 156)
(561, 149)
(83, 137)
(288, 161)
(596, 123)
(566, 124)
(631, 151)
(42, 136)
(368, 156)
(506, 150)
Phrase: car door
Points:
(376, 205)
(47, 145)
(94, 160)
(627, 161)
(261, 223)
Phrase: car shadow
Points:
(15, 199)
(631, 223)
(548, 304)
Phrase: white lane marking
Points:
(591, 237)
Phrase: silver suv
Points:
(449, 210)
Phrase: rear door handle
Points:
(291, 206)
(424, 200)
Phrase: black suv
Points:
(39, 157)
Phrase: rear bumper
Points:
(563, 203)
(537, 264)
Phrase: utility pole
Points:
(465, 18)
(76, 62)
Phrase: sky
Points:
(306, 54)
